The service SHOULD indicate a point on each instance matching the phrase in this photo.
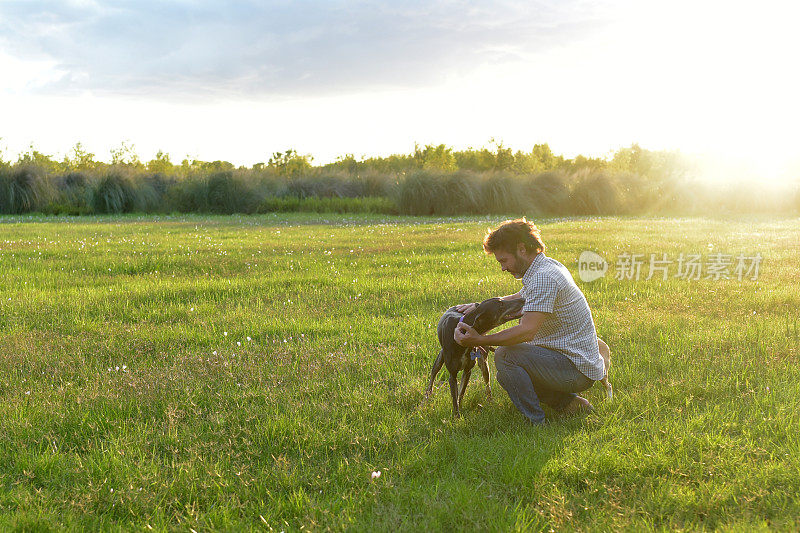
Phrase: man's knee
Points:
(504, 358)
(501, 365)
(500, 354)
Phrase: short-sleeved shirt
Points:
(568, 327)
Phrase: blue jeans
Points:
(531, 374)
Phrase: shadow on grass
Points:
(481, 472)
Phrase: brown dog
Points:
(605, 353)
(487, 315)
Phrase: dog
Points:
(605, 353)
(487, 315)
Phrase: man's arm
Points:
(512, 296)
(525, 331)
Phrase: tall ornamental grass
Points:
(585, 191)
(23, 189)
(114, 193)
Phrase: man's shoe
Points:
(578, 406)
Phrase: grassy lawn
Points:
(253, 372)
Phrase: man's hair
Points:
(510, 233)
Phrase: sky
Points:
(238, 81)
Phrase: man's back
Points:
(568, 327)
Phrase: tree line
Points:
(431, 180)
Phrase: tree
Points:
(347, 163)
(80, 159)
(161, 164)
(545, 156)
(125, 155)
(504, 157)
(658, 165)
(196, 166)
(35, 158)
(290, 163)
(594, 163)
(435, 157)
(477, 160)
(501, 158)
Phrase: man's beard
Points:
(520, 267)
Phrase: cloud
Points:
(278, 48)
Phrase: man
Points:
(552, 353)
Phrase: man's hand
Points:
(465, 335)
(466, 308)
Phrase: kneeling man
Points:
(552, 353)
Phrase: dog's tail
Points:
(609, 388)
(605, 353)
(437, 365)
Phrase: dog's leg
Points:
(437, 365)
(486, 376)
(605, 353)
(464, 382)
(454, 395)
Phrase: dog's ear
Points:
(470, 317)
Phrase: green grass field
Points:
(228, 373)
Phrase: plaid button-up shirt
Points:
(568, 327)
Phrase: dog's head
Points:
(492, 312)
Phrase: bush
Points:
(503, 194)
(637, 194)
(372, 183)
(72, 181)
(462, 195)
(263, 183)
(23, 189)
(594, 194)
(189, 195)
(73, 195)
(339, 184)
(324, 186)
(228, 194)
(159, 182)
(150, 192)
(421, 193)
(549, 192)
(221, 192)
(216, 187)
(367, 204)
(672, 199)
(114, 193)
(147, 198)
